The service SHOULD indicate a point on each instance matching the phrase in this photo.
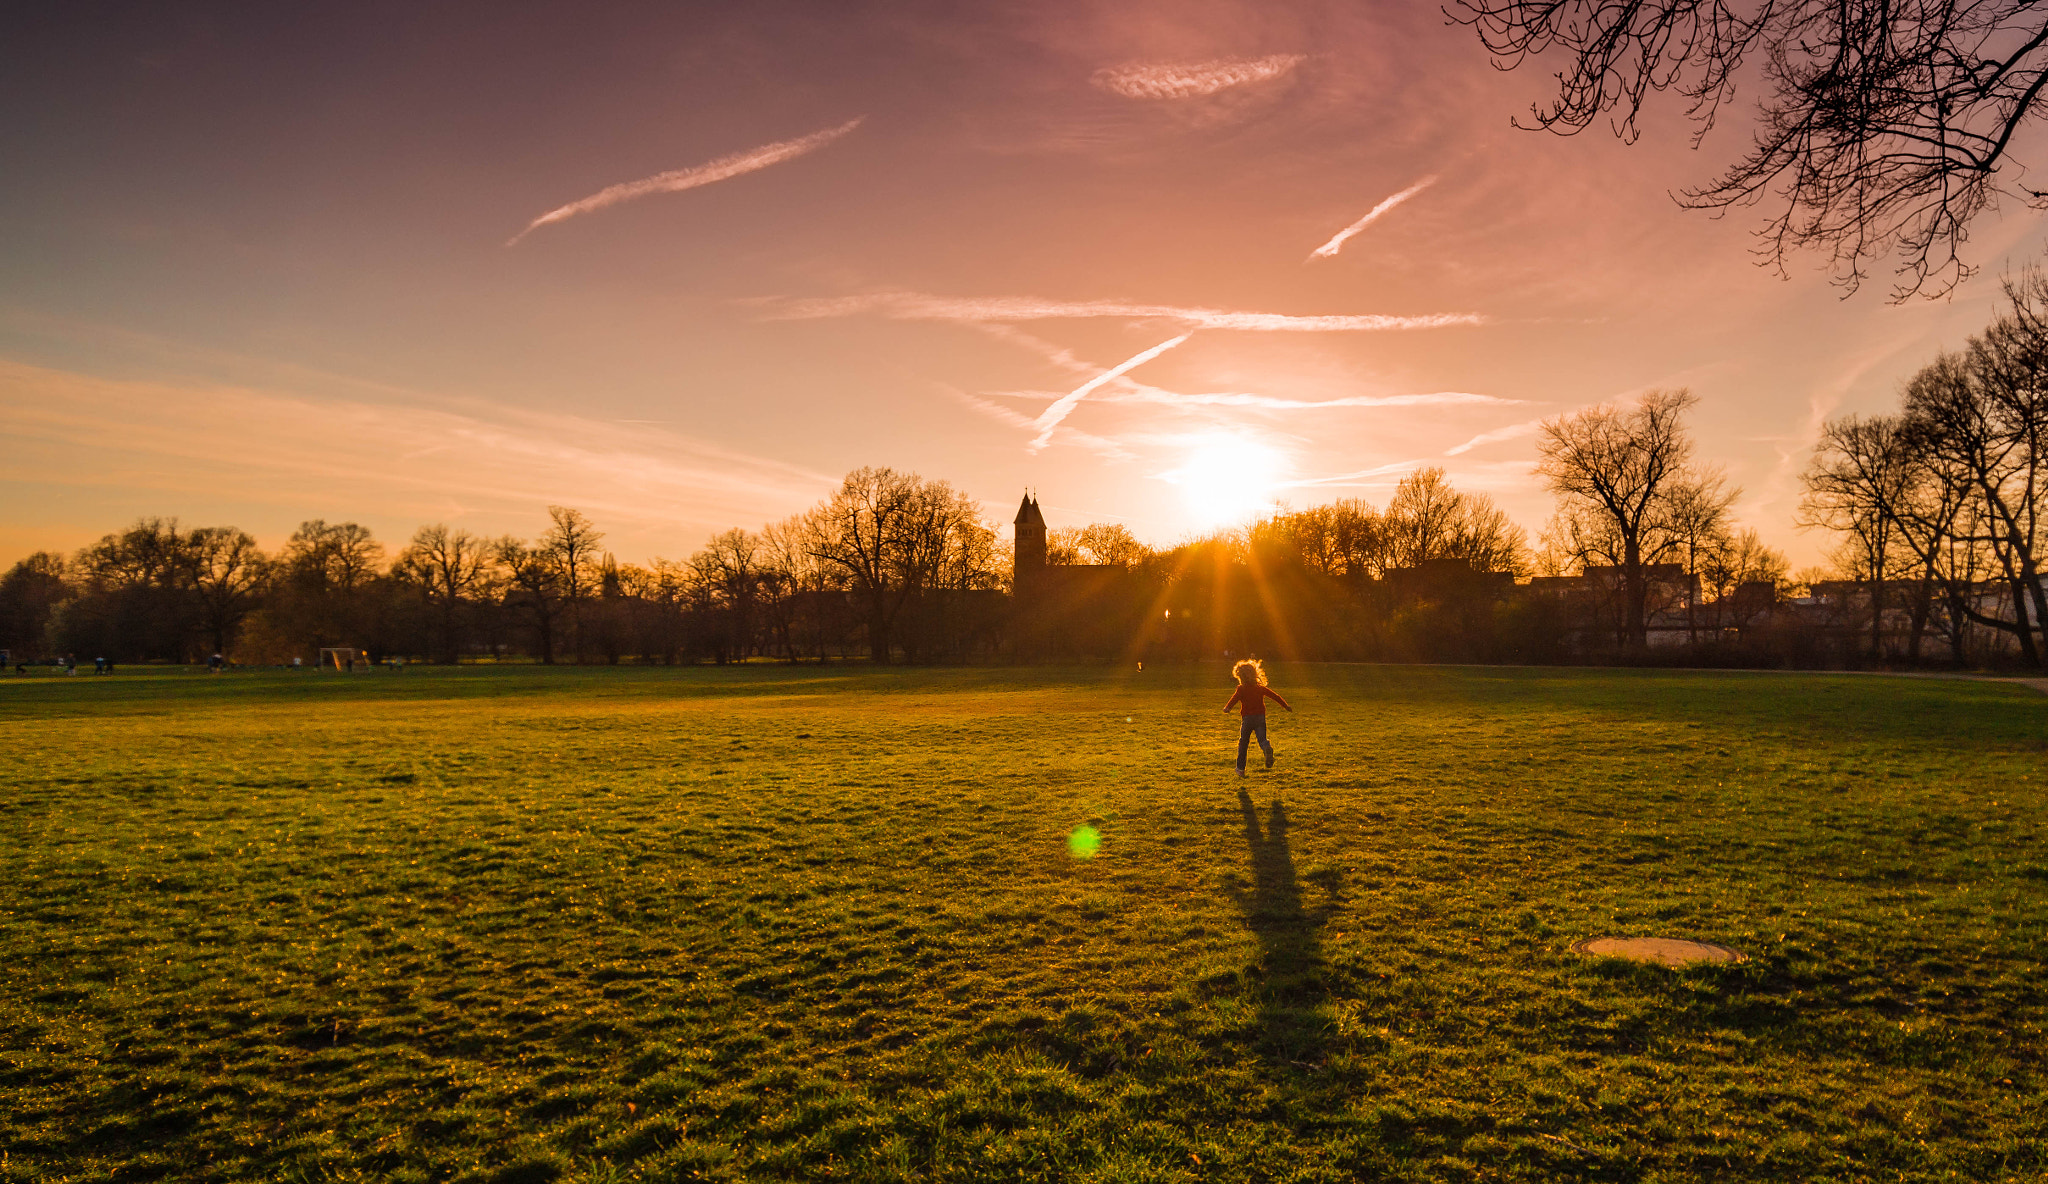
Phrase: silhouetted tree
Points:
(571, 545)
(1883, 128)
(30, 594)
(1859, 485)
(889, 534)
(1616, 466)
(324, 591)
(1427, 519)
(1957, 423)
(229, 575)
(135, 595)
(1696, 517)
(1112, 544)
(450, 569)
(533, 589)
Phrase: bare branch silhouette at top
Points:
(1883, 127)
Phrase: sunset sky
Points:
(683, 266)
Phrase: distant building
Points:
(1070, 608)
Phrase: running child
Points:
(1250, 700)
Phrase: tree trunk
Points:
(1923, 607)
(1634, 593)
(2025, 626)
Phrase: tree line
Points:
(1936, 508)
(889, 564)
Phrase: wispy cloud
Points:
(1329, 249)
(1148, 394)
(918, 306)
(1360, 476)
(1050, 418)
(1513, 431)
(1016, 419)
(303, 456)
(723, 168)
(1189, 80)
(1138, 392)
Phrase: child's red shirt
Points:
(1254, 703)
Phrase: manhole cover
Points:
(1665, 951)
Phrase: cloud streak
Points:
(1050, 418)
(1192, 80)
(1100, 444)
(919, 306)
(1329, 249)
(301, 456)
(1137, 392)
(1513, 431)
(724, 168)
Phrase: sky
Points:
(683, 266)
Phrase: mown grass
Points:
(775, 923)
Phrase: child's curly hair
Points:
(1257, 668)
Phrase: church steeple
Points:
(1028, 555)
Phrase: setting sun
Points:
(1226, 480)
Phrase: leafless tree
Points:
(889, 534)
(229, 573)
(1063, 546)
(1858, 485)
(1969, 435)
(534, 586)
(1429, 519)
(570, 543)
(325, 578)
(1883, 127)
(1617, 465)
(1731, 559)
(1113, 545)
(730, 570)
(450, 568)
(1696, 519)
(338, 557)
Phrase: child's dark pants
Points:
(1252, 725)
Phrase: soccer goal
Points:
(342, 657)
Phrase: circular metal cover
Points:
(1665, 951)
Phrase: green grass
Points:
(775, 923)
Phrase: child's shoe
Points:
(1269, 760)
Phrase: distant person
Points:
(214, 663)
(1250, 700)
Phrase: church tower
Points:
(1028, 555)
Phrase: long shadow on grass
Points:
(1294, 997)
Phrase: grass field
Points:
(765, 922)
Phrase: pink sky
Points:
(258, 269)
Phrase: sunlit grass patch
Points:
(775, 922)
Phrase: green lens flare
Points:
(1084, 842)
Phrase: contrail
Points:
(1188, 80)
(919, 306)
(1513, 431)
(704, 174)
(1050, 418)
(1330, 249)
(1100, 444)
(1138, 392)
